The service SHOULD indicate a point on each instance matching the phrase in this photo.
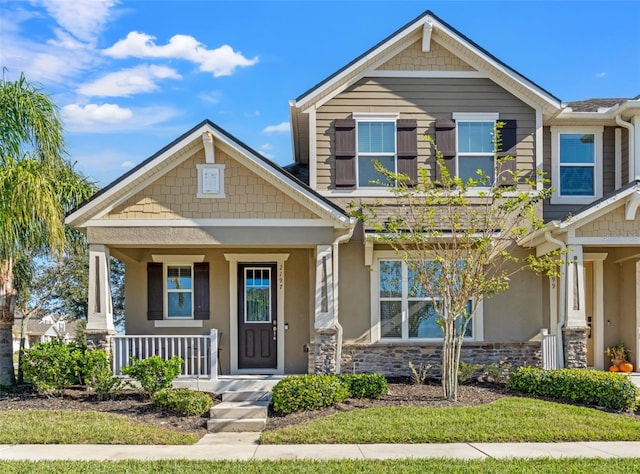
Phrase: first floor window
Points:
(405, 308)
(179, 291)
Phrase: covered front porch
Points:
(595, 301)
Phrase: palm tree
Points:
(38, 185)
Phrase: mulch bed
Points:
(134, 404)
(131, 403)
(401, 394)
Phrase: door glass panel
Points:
(257, 292)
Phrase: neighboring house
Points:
(214, 235)
(43, 328)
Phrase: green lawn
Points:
(568, 466)
(510, 419)
(82, 427)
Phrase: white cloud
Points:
(221, 61)
(127, 82)
(68, 53)
(265, 150)
(600, 75)
(111, 118)
(83, 19)
(213, 97)
(127, 164)
(283, 127)
(75, 114)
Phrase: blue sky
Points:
(131, 76)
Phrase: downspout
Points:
(334, 249)
(633, 172)
(563, 298)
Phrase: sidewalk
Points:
(244, 446)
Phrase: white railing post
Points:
(213, 354)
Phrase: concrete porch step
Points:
(236, 425)
(247, 396)
(240, 410)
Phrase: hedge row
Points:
(589, 387)
(311, 392)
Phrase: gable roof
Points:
(160, 162)
(486, 61)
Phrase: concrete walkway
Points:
(244, 446)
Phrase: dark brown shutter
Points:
(345, 133)
(446, 144)
(407, 149)
(155, 291)
(201, 290)
(508, 136)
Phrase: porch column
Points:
(323, 358)
(100, 306)
(575, 331)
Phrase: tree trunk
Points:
(7, 309)
(449, 362)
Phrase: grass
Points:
(82, 427)
(569, 466)
(511, 419)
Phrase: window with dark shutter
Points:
(407, 151)
(345, 156)
(446, 144)
(201, 290)
(506, 169)
(155, 291)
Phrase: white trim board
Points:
(250, 222)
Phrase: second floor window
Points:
(376, 141)
(476, 150)
(576, 159)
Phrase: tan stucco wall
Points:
(513, 316)
(174, 196)
(296, 304)
(517, 314)
(354, 293)
(414, 59)
(611, 224)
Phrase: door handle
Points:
(275, 330)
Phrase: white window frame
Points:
(556, 132)
(481, 117)
(246, 301)
(172, 261)
(167, 291)
(376, 326)
(375, 117)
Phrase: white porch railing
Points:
(549, 350)
(200, 353)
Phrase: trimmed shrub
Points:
(52, 366)
(365, 385)
(307, 392)
(589, 387)
(98, 376)
(468, 371)
(182, 401)
(154, 373)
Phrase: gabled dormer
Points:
(424, 79)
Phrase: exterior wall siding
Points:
(296, 305)
(609, 225)
(423, 99)
(414, 59)
(173, 196)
